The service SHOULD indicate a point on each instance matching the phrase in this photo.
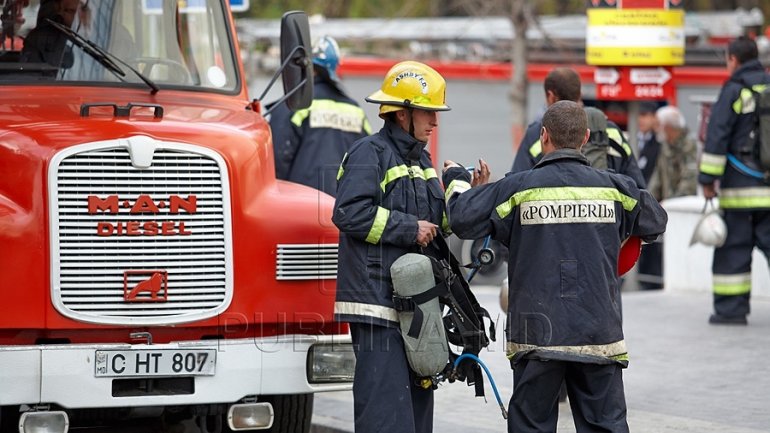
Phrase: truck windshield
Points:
(175, 44)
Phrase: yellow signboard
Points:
(635, 37)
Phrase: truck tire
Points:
(293, 413)
(9, 419)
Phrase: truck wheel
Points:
(9, 419)
(293, 413)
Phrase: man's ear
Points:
(585, 139)
(550, 97)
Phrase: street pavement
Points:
(684, 375)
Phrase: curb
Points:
(318, 428)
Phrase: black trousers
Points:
(732, 261)
(595, 393)
(385, 397)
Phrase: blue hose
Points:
(489, 375)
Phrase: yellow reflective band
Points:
(713, 164)
(731, 285)
(615, 135)
(744, 198)
(536, 148)
(612, 350)
(565, 193)
(445, 224)
(341, 171)
(300, 116)
(416, 171)
(367, 127)
(456, 186)
(327, 113)
(398, 171)
(392, 174)
(378, 226)
(370, 310)
(745, 102)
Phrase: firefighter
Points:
(309, 143)
(389, 203)
(745, 200)
(563, 84)
(563, 222)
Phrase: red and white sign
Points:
(606, 76)
(633, 84)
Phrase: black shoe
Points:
(718, 319)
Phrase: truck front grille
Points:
(140, 245)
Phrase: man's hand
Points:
(449, 164)
(709, 190)
(426, 231)
(481, 174)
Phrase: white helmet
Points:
(711, 230)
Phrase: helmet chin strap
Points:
(410, 110)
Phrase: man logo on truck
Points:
(144, 204)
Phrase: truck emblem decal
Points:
(152, 289)
(144, 205)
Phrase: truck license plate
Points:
(164, 362)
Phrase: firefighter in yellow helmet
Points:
(389, 203)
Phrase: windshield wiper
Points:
(104, 57)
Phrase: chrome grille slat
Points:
(306, 261)
(88, 269)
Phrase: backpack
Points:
(598, 145)
(759, 138)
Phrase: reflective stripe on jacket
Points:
(309, 143)
(386, 184)
(731, 122)
(563, 222)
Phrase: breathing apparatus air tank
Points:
(420, 319)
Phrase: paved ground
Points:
(684, 376)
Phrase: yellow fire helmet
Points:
(411, 84)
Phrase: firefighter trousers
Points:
(731, 267)
(385, 396)
(595, 393)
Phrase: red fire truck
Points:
(152, 265)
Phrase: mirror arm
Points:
(284, 97)
(289, 58)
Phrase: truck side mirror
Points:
(295, 54)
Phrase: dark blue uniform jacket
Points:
(563, 222)
(309, 143)
(386, 184)
(731, 121)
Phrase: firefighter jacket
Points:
(386, 184)
(309, 143)
(563, 222)
(729, 127)
(530, 152)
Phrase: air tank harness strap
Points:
(410, 303)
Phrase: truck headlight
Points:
(331, 363)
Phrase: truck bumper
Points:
(65, 374)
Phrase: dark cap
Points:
(647, 107)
